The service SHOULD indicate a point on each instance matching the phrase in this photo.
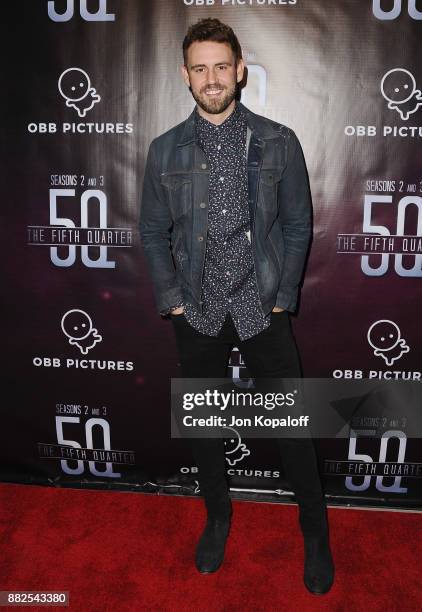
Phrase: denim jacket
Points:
(174, 213)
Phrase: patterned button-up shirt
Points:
(229, 281)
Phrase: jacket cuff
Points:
(287, 298)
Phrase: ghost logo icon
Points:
(77, 326)
(398, 87)
(234, 448)
(75, 87)
(385, 338)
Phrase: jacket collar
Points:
(260, 126)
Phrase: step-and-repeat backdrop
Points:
(88, 360)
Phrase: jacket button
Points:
(203, 166)
(200, 238)
(202, 205)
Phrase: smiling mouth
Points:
(213, 92)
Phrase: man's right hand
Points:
(178, 311)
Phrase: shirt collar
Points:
(203, 125)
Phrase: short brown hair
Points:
(211, 29)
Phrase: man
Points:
(225, 225)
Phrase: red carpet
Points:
(128, 551)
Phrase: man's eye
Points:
(199, 69)
(223, 67)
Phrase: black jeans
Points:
(271, 353)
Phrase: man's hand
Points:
(278, 309)
(178, 311)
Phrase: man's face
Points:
(212, 75)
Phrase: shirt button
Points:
(200, 238)
(224, 211)
(221, 178)
(230, 301)
(228, 273)
(219, 147)
(203, 166)
(202, 205)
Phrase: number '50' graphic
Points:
(368, 227)
(354, 456)
(89, 198)
(395, 10)
(60, 420)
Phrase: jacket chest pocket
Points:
(269, 180)
(179, 190)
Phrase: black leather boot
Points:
(210, 549)
(319, 566)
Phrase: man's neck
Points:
(220, 117)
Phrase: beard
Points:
(214, 106)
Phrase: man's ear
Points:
(240, 68)
(185, 74)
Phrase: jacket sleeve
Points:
(295, 218)
(155, 224)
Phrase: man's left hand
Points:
(278, 309)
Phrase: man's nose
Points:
(212, 75)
